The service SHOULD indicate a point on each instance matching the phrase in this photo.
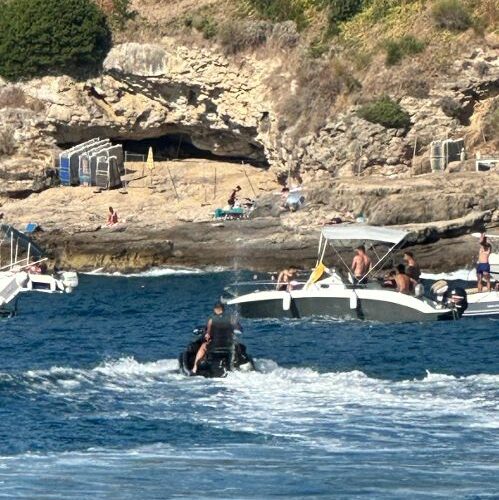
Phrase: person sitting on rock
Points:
(233, 196)
(403, 281)
(112, 217)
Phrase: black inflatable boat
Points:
(219, 360)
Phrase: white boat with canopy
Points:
(326, 293)
(23, 269)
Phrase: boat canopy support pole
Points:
(380, 261)
(341, 259)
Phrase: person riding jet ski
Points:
(218, 351)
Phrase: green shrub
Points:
(386, 112)
(43, 37)
(243, 35)
(280, 10)
(121, 13)
(343, 10)
(203, 23)
(451, 14)
(398, 48)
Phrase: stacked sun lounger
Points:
(94, 163)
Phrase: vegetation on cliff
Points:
(43, 37)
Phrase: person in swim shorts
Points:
(483, 266)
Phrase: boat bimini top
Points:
(344, 235)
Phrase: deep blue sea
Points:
(92, 405)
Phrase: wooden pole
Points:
(173, 183)
(250, 183)
(414, 153)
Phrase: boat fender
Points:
(286, 302)
(353, 301)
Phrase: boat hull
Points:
(387, 307)
(483, 304)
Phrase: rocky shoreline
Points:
(159, 229)
(203, 245)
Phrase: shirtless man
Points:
(403, 281)
(286, 278)
(361, 263)
(483, 267)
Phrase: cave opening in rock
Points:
(180, 146)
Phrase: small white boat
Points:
(325, 293)
(23, 269)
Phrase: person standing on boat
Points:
(286, 278)
(412, 267)
(483, 267)
(219, 333)
(361, 264)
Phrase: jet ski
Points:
(219, 360)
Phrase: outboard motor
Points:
(457, 299)
(439, 290)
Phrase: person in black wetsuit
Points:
(219, 333)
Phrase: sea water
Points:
(92, 405)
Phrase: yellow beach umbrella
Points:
(150, 159)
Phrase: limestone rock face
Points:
(147, 91)
(227, 107)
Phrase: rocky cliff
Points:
(256, 107)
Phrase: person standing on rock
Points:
(483, 267)
(233, 196)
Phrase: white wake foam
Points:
(157, 272)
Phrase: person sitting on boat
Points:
(403, 281)
(219, 332)
(112, 217)
(286, 279)
(361, 264)
(233, 196)
(412, 268)
(483, 267)
(389, 280)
